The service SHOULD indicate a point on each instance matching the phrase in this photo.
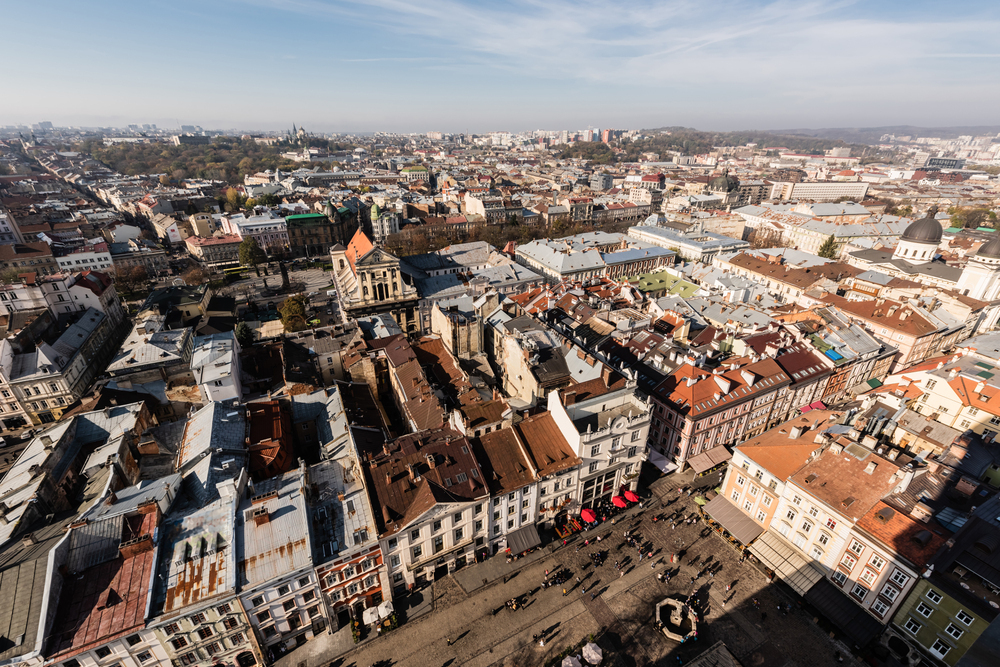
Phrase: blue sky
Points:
(453, 65)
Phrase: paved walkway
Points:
(484, 633)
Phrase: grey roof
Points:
(342, 513)
(213, 356)
(149, 345)
(23, 574)
(703, 241)
(281, 545)
(213, 448)
(925, 230)
(985, 345)
(935, 269)
(46, 359)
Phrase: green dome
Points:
(375, 212)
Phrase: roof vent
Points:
(870, 468)
(885, 514)
(848, 501)
(263, 497)
(922, 538)
(811, 478)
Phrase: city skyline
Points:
(455, 67)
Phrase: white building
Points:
(215, 364)
(93, 256)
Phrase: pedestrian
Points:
(450, 642)
(583, 590)
(592, 596)
(621, 573)
(546, 574)
(728, 586)
(578, 580)
(541, 642)
(564, 591)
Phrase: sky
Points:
(467, 66)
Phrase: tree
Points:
(235, 200)
(972, 218)
(293, 313)
(269, 200)
(829, 248)
(195, 276)
(164, 179)
(129, 278)
(244, 335)
(251, 254)
(9, 276)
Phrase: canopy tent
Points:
(385, 609)
(631, 497)
(588, 515)
(727, 515)
(570, 661)
(709, 459)
(370, 615)
(593, 654)
(660, 461)
(780, 557)
(855, 622)
(618, 501)
(523, 538)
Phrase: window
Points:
(797, 500)
(899, 578)
(741, 480)
(197, 619)
(223, 609)
(813, 512)
(748, 505)
(859, 591)
(436, 526)
(458, 535)
(880, 606)
(594, 466)
(995, 420)
(761, 516)
(806, 526)
(133, 640)
(237, 639)
(912, 626)
(438, 544)
(889, 592)
(230, 623)
(817, 553)
(784, 528)
(831, 524)
(269, 631)
(877, 562)
(595, 450)
(736, 494)
(954, 631)
(925, 610)
(824, 539)
(800, 540)
(869, 576)
(417, 552)
(857, 547)
(839, 577)
(415, 534)
(205, 632)
(933, 596)
(848, 561)
(179, 642)
(791, 515)
(283, 590)
(753, 490)
(510, 509)
(940, 649)
(103, 652)
(964, 618)
(189, 658)
(304, 581)
(478, 527)
(313, 611)
(145, 656)
(173, 628)
(212, 648)
(767, 501)
(288, 605)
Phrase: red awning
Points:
(818, 405)
(631, 497)
(619, 501)
(588, 515)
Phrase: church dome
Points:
(724, 183)
(991, 248)
(925, 230)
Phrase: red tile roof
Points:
(899, 532)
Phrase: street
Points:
(615, 606)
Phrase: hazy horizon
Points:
(337, 66)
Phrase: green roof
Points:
(953, 230)
(654, 282)
(306, 219)
(415, 168)
(985, 229)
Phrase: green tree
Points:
(235, 200)
(9, 277)
(829, 248)
(972, 217)
(244, 335)
(251, 254)
(269, 200)
(293, 313)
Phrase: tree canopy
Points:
(293, 313)
(829, 248)
(244, 335)
(251, 254)
(972, 217)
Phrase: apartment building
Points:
(92, 256)
(695, 409)
(215, 250)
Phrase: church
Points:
(371, 282)
(913, 259)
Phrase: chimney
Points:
(111, 499)
(411, 469)
(29, 539)
(261, 516)
(388, 477)
(431, 462)
(47, 442)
